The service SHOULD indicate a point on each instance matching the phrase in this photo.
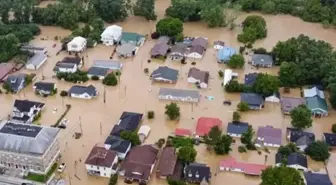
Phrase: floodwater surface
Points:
(95, 119)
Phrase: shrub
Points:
(150, 114)
(243, 107)
(64, 93)
(260, 51)
(220, 73)
(242, 149)
(236, 116)
(333, 128)
(249, 45)
(241, 49)
(146, 70)
(95, 78)
(110, 80)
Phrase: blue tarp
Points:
(225, 54)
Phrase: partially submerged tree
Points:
(243, 107)
(266, 85)
(110, 80)
(287, 149)
(113, 179)
(150, 114)
(280, 176)
(169, 26)
(318, 151)
(236, 61)
(223, 146)
(213, 136)
(212, 13)
(172, 111)
(247, 138)
(145, 8)
(236, 116)
(133, 137)
(301, 117)
(254, 27)
(111, 10)
(185, 10)
(187, 154)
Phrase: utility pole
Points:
(192, 107)
(80, 125)
(104, 96)
(69, 177)
(101, 128)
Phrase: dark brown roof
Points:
(179, 48)
(139, 161)
(200, 41)
(203, 76)
(197, 49)
(167, 162)
(159, 49)
(5, 69)
(99, 156)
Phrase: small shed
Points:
(275, 98)
(143, 132)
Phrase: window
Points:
(97, 168)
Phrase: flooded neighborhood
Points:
(136, 92)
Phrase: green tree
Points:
(110, 80)
(288, 74)
(236, 116)
(213, 136)
(150, 114)
(113, 179)
(185, 10)
(172, 111)
(318, 151)
(268, 7)
(145, 8)
(235, 86)
(281, 175)
(286, 150)
(266, 84)
(243, 107)
(187, 154)
(301, 117)
(171, 181)
(236, 61)
(9, 47)
(254, 27)
(247, 138)
(133, 137)
(223, 146)
(111, 10)
(212, 13)
(169, 26)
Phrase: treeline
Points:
(12, 35)
(210, 11)
(323, 11)
(305, 61)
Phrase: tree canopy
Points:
(287, 149)
(281, 175)
(133, 137)
(236, 61)
(185, 10)
(219, 142)
(145, 8)
(187, 154)
(172, 111)
(247, 138)
(110, 80)
(169, 26)
(111, 10)
(243, 107)
(212, 13)
(266, 84)
(301, 117)
(318, 151)
(254, 28)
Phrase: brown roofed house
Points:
(200, 41)
(101, 162)
(139, 163)
(196, 52)
(197, 76)
(167, 163)
(159, 50)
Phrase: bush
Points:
(150, 114)
(110, 80)
(236, 116)
(220, 73)
(160, 142)
(242, 149)
(64, 93)
(260, 51)
(241, 49)
(333, 128)
(117, 73)
(155, 35)
(95, 78)
(146, 70)
(243, 107)
(249, 46)
(79, 76)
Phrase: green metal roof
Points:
(317, 104)
(130, 37)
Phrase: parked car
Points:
(227, 102)
(63, 123)
(61, 167)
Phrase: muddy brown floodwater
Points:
(133, 94)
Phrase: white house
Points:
(83, 92)
(143, 132)
(196, 76)
(36, 61)
(111, 35)
(183, 95)
(77, 44)
(101, 162)
(227, 76)
(65, 67)
(275, 98)
(24, 111)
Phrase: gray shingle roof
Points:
(77, 89)
(262, 59)
(126, 49)
(15, 81)
(28, 139)
(165, 73)
(97, 71)
(160, 49)
(109, 64)
(37, 59)
(252, 98)
(179, 93)
(293, 159)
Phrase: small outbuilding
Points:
(36, 61)
(275, 98)
(218, 44)
(143, 132)
(77, 45)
